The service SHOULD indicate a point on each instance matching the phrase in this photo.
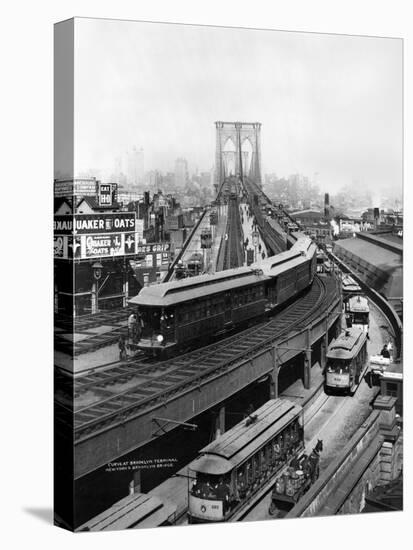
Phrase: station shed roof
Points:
(370, 252)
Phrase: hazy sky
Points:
(328, 104)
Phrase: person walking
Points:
(131, 326)
(122, 348)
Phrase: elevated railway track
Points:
(120, 372)
(89, 329)
(275, 240)
(231, 253)
(162, 385)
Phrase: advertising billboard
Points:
(105, 197)
(83, 224)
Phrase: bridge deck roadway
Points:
(114, 427)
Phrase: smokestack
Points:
(327, 206)
(376, 214)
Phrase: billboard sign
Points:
(83, 224)
(82, 187)
(107, 246)
(154, 247)
(60, 247)
(99, 246)
(105, 194)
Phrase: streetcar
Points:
(346, 361)
(358, 311)
(349, 287)
(233, 470)
(179, 314)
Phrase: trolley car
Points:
(233, 469)
(358, 311)
(349, 287)
(346, 361)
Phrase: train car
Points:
(358, 311)
(346, 361)
(181, 313)
(290, 272)
(234, 468)
(349, 287)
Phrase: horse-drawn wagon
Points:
(295, 481)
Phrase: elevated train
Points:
(238, 465)
(178, 314)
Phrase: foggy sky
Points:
(328, 104)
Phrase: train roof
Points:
(358, 304)
(348, 283)
(273, 265)
(347, 344)
(241, 441)
(167, 294)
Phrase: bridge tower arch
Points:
(238, 133)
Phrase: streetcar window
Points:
(338, 366)
(150, 319)
(360, 318)
(211, 486)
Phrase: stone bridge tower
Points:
(238, 133)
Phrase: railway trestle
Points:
(108, 439)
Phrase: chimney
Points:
(376, 214)
(327, 206)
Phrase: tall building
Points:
(181, 172)
(153, 180)
(135, 166)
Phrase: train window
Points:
(391, 389)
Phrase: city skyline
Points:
(329, 105)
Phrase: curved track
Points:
(156, 382)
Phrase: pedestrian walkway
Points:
(248, 227)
